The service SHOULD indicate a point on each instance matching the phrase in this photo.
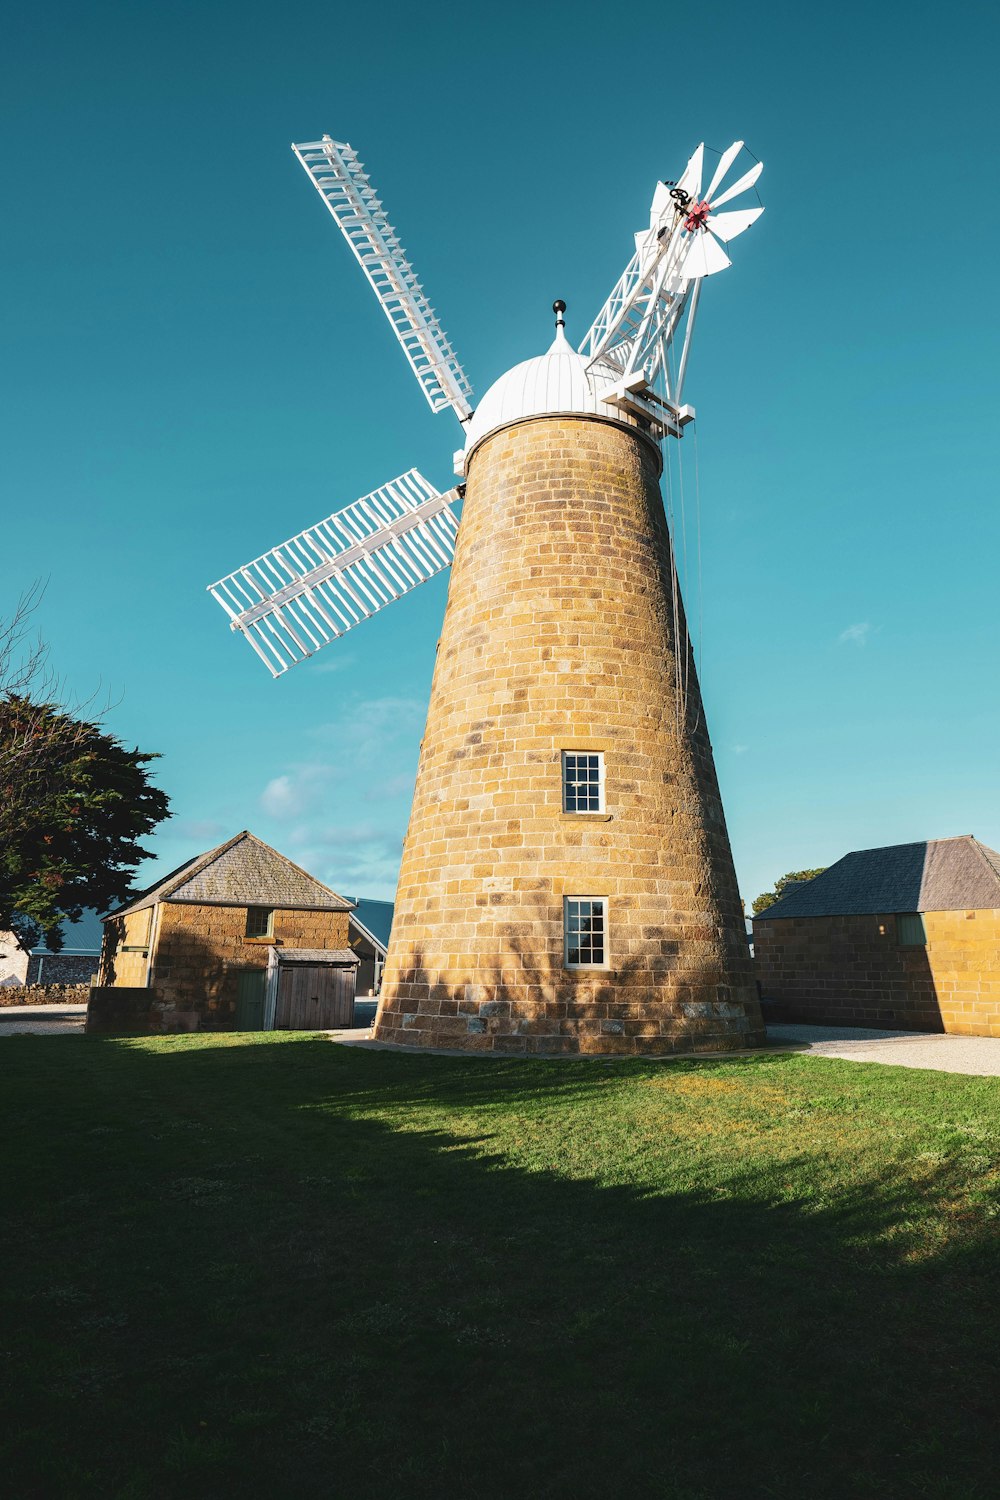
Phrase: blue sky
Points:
(194, 369)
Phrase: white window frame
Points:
(605, 963)
(587, 812)
(269, 930)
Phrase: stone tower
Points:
(567, 883)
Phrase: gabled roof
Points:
(936, 875)
(375, 920)
(83, 936)
(242, 872)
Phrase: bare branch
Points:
(24, 657)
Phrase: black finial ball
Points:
(559, 307)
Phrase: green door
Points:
(250, 1000)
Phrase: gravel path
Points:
(901, 1049)
(15, 1020)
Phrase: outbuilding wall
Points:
(853, 971)
(199, 952)
(125, 955)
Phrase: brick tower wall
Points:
(559, 635)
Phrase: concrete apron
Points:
(978, 1055)
(975, 1055)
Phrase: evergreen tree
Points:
(74, 803)
(768, 898)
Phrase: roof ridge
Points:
(990, 856)
(167, 888)
(200, 862)
(172, 879)
(300, 871)
(879, 849)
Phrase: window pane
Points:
(584, 918)
(582, 782)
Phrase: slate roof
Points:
(244, 871)
(935, 875)
(375, 919)
(335, 956)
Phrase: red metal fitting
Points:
(696, 218)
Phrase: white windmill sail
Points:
(343, 184)
(320, 584)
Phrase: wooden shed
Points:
(239, 938)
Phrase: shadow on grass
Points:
(285, 1268)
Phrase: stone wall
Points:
(563, 632)
(199, 951)
(44, 994)
(128, 1010)
(852, 971)
(63, 968)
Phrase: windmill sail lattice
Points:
(343, 184)
(319, 584)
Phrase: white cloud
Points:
(300, 790)
(279, 797)
(198, 828)
(390, 787)
(341, 812)
(369, 726)
(740, 749)
(361, 860)
(337, 661)
(856, 633)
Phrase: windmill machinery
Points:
(319, 584)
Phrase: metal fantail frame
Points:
(313, 588)
(628, 344)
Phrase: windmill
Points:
(567, 881)
(313, 588)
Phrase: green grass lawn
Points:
(272, 1266)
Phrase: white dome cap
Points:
(553, 383)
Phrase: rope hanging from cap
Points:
(687, 649)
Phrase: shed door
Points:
(250, 1000)
(314, 997)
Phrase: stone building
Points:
(370, 926)
(906, 937)
(76, 961)
(567, 883)
(237, 938)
